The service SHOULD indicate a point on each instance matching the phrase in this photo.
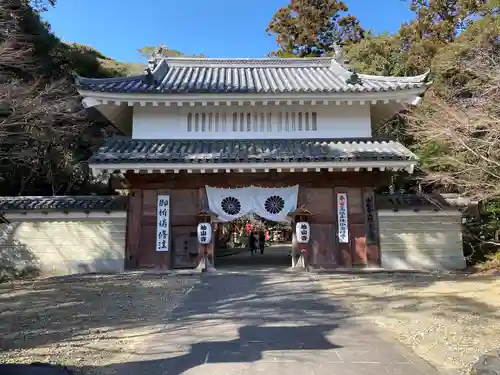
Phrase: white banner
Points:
(275, 203)
(229, 204)
(163, 223)
(343, 225)
(269, 203)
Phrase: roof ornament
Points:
(156, 56)
(158, 52)
(354, 78)
(339, 53)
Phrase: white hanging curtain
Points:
(229, 204)
(275, 203)
(269, 203)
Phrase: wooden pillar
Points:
(134, 215)
(357, 227)
(206, 251)
(371, 228)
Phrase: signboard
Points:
(343, 226)
(371, 232)
(163, 223)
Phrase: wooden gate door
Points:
(185, 247)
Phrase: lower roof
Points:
(119, 151)
(254, 156)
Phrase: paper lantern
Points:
(303, 232)
(204, 231)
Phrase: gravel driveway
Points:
(85, 320)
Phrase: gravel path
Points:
(448, 320)
(85, 320)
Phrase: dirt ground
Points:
(449, 320)
(84, 321)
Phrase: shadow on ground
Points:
(237, 318)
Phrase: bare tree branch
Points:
(459, 135)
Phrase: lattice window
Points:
(252, 122)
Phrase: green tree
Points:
(436, 24)
(378, 54)
(311, 27)
(412, 49)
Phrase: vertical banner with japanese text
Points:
(371, 230)
(163, 223)
(343, 227)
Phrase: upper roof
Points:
(186, 75)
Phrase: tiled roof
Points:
(414, 202)
(259, 76)
(64, 203)
(122, 150)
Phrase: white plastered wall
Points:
(64, 244)
(259, 122)
(421, 240)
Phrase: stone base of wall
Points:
(85, 266)
(399, 261)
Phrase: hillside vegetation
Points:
(45, 134)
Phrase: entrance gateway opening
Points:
(254, 228)
(253, 241)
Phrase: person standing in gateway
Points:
(262, 240)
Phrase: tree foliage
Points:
(311, 27)
(45, 134)
(457, 129)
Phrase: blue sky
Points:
(215, 28)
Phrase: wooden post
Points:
(299, 215)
